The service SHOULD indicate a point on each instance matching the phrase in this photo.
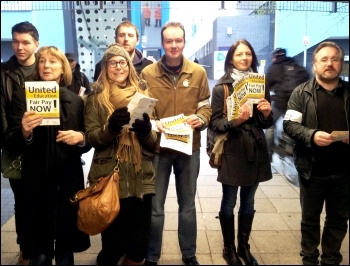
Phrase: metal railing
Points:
(259, 7)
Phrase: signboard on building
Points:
(219, 64)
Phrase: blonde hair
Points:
(66, 77)
(104, 84)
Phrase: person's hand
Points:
(118, 119)
(244, 115)
(264, 107)
(194, 121)
(30, 120)
(142, 127)
(70, 137)
(322, 138)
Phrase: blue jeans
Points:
(229, 199)
(333, 191)
(186, 170)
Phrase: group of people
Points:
(157, 15)
(46, 223)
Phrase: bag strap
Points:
(226, 94)
(96, 187)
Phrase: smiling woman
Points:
(51, 158)
(106, 120)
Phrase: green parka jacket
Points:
(103, 162)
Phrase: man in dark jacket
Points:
(128, 35)
(14, 72)
(316, 109)
(80, 83)
(282, 77)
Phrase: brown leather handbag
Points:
(98, 204)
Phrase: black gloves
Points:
(142, 127)
(118, 119)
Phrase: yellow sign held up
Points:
(43, 97)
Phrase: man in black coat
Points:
(14, 72)
(282, 77)
(128, 35)
(80, 83)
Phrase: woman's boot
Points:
(131, 262)
(244, 228)
(64, 258)
(228, 233)
(41, 259)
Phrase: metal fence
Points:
(259, 7)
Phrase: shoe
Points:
(22, 261)
(190, 261)
(82, 162)
(147, 262)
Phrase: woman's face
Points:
(50, 68)
(242, 57)
(118, 69)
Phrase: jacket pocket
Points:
(103, 163)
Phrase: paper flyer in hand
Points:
(139, 105)
(256, 87)
(178, 136)
(43, 97)
(232, 107)
(340, 135)
(246, 90)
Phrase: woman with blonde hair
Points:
(51, 169)
(131, 149)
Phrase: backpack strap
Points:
(226, 94)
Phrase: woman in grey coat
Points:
(245, 159)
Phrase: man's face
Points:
(127, 37)
(328, 64)
(173, 45)
(72, 63)
(24, 46)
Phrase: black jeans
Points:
(334, 192)
(129, 233)
(20, 219)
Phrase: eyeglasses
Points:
(324, 61)
(113, 64)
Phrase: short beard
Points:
(327, 80)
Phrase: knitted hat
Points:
(114, 50)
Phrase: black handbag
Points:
(11, 165)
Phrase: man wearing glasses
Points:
(321, 156)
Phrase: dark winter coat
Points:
(245, 158)
(12, 79)
(52, 174)
(139, 63)
(304, 100)
(79, 79)
(277, 80)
